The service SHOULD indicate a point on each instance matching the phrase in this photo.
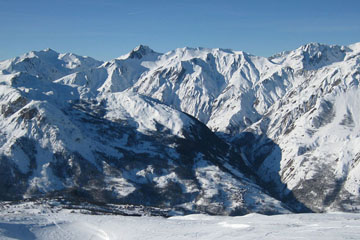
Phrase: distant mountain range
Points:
(194, 130)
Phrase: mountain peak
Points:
(140, 51)
(313, 47)
(48, 50)
(46, 53)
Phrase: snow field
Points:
(39, 222)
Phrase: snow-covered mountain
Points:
(48, 64)
(209, 130)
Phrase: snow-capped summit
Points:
(48, 64)
(140, 51)
(318, 55)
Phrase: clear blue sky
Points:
(105, 29)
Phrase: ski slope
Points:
(29, 221)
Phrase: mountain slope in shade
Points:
(315, 125)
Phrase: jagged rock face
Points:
(288, 123)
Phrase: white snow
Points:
(28, 221)
(146, 113)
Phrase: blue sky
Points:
(105, 29)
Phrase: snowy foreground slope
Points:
(27, 221)
(196, 130)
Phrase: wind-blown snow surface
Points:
(39, 222)
(288, 123)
